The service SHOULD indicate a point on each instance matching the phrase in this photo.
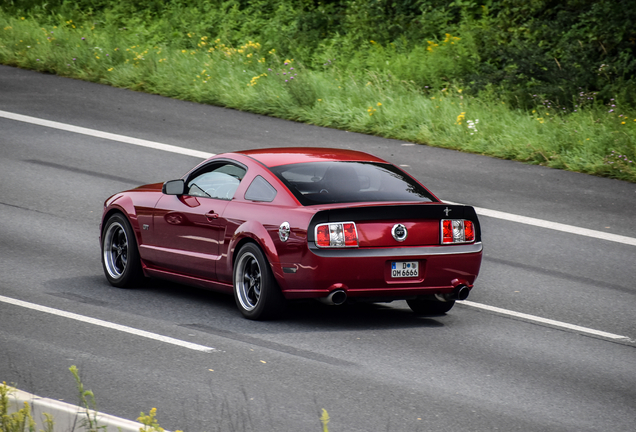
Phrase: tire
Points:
(120, 255)
(426, 307)
(256, 292)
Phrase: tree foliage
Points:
(522, 50)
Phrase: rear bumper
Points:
(367, 272)
(399, 252)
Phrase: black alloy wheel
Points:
(120, 256)
(256, 292)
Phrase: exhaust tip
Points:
(461, 292)
(337, 297)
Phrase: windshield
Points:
(344, 182)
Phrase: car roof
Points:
(272, 157)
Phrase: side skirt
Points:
(189, 280)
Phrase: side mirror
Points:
(174, 187)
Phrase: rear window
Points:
(345, 182)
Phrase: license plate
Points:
(404, 269)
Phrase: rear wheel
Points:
(424, 306)
(256, 292)
(120, 256)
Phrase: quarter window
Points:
(260, 190)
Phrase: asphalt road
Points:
(374, 367)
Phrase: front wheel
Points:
(256, 292)
(426, 307)
(120, 256)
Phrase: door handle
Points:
(211, 215)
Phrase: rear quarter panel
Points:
(259, 222)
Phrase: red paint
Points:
(193, 240)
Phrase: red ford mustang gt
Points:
(278, 224)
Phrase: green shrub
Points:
(402, 89)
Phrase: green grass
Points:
(22, 420)
(595, 138)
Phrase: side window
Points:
(216, 181)
(260, 190)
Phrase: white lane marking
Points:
(106, 135)
(204, 155)
(553, 225)
(106, 324)
(550, 322)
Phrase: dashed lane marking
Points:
(204, 155)
(546, 321)
(106, 324)
(553, 225)
(106, 135)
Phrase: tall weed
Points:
(390, 90)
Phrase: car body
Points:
(272, 225)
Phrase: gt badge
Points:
(399, 232)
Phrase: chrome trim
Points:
(394, 232)
(283, 231)
(314, 244)
(394, 252)
(441, 232)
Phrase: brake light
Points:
(338, 234)
(457, 231)
(322, 235)
(469, 231)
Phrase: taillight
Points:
(337, 234)
(469, 231)
(457, 231)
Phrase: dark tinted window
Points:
(260, 190)
(343, 182)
